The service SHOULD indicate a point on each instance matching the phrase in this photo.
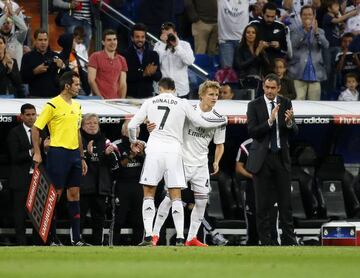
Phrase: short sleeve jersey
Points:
(197, 139)
(63, 121)
(108, 72)
(168, 113)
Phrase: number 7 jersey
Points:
(169, 112)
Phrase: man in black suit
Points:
(21, 150)
(270, 122)
(143, 65)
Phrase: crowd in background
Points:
(311, 45)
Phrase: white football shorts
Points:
(199, 178)
(167, 165)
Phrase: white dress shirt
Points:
(268, 106)
(175, 65)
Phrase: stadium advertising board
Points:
(41, 201)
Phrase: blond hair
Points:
(206, 85)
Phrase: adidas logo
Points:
(175, 211)
(148, 209)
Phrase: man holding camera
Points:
(40, 68)
(175, 57)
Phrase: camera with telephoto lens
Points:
(171, 38)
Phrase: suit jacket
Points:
(19, 146)
(260, 131)
(139, 86)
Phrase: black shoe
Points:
(147, 241)
(180, 242)
(80, 243)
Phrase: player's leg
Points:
(56, 167)
(151, 174)
(175, 181)
(148, 209)
(73, 206)
(200, 184)
(161, 216)
(73, 195)
(177, 212)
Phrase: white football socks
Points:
(162, 214)
(196, 218)
(178, 217)
(148, 211)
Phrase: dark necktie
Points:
(273, 145)
(30, 136)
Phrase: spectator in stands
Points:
(351, 93)
(175, 57)
(295, 5)
(226, 92)
(128, 190)
(65, 159)
(355, 44)
(203, 15)
(21, 151)
(107, 69)
(272, 32)
(154, 13)
(143, 65)
(251, 60)
(97, 183)
(233, 16)
(10, 80)
(269, 160)
(73, 52)
(41, 67)
(346, 60)
(333, 23)
(287, 88)
(306, 66)
(353, 23)
(77, 13)
(255, 11)
(14, 29)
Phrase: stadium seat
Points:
(330, 179)
(207, 63)
(244, 94)
(215, 211)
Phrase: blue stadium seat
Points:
(207, 63)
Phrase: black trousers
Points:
(250, 215)
(19, 200)
(96, 204)
(273, 178)
(128, 211)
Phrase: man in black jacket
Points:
(97, 182)
(270, 122)
(143, 65)
(41, 67)
(272, 32)
(21, 151)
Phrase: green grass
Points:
(184, 262)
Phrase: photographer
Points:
(175, 57)
(41, 67)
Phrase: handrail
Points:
(193, 67)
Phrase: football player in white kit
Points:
(164, 151)
(195, 156)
